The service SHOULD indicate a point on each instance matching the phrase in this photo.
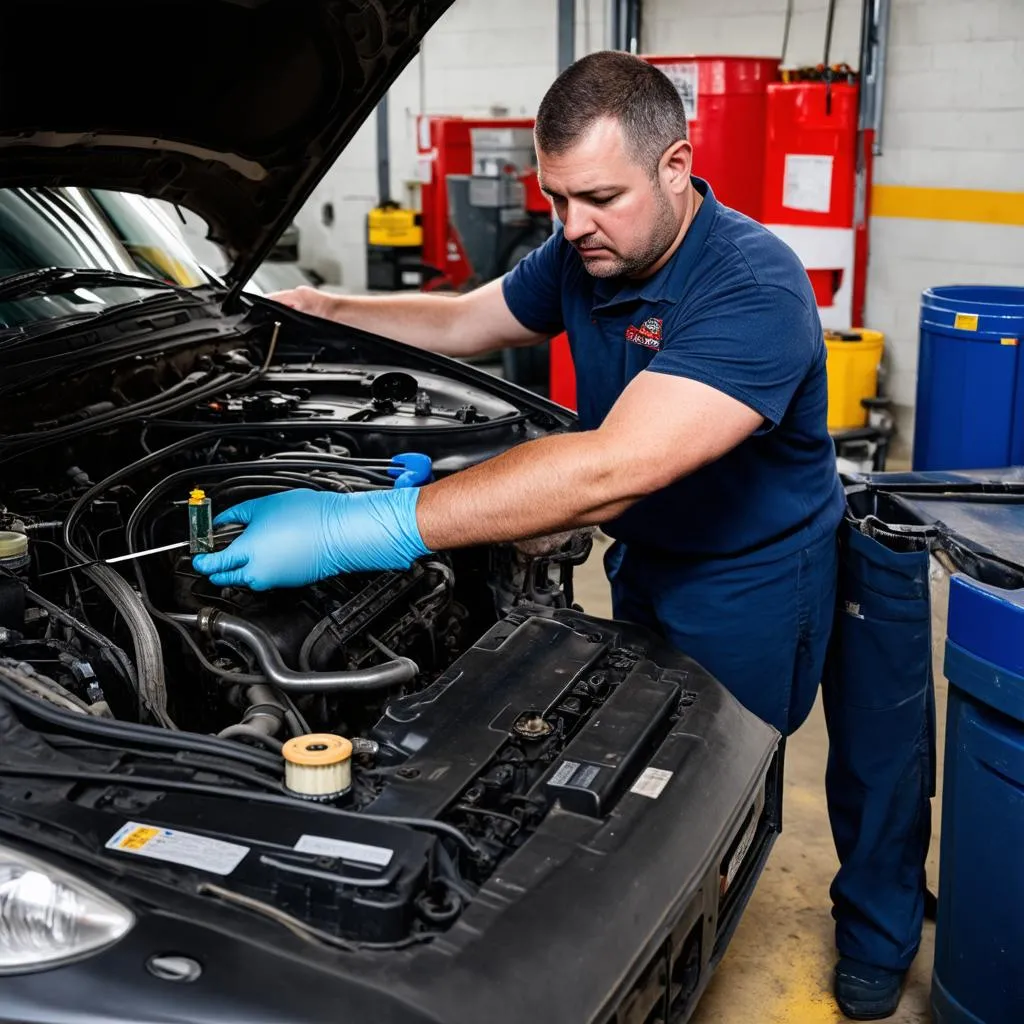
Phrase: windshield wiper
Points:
(46, 280)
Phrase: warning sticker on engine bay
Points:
(184, 848)
(572, 773)
(346, 850)
(651, 782)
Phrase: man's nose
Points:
(578, 222)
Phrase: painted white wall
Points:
(752, 28)
(954, 118)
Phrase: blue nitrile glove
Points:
(411, 469)
(301, 536)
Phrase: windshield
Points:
(86, 229)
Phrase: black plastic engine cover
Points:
(454, 728)
(616, 914)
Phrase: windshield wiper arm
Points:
(44, 280)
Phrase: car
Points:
(447, 794)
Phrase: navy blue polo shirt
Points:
(732, 308)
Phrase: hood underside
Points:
(234, 109)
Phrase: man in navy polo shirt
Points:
(702, 396)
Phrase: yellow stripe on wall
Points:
(960, 204)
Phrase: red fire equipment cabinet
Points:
(482, 207)
(809, 185)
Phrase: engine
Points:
(150, 640)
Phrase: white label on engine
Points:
(378, 855)
(184, 848)
(651, 782)
(566, 770)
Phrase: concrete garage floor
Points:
(778, 968)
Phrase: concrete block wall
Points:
(953, 123)
(752, 28)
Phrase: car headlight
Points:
(48, 916)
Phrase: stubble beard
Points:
(645, 256)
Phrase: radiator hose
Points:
(226, 626)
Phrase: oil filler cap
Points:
(13, 549)
(12, 545)
(174, 968)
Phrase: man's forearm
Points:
(540, 487)
(423, 321)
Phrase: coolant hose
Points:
(262, 720)
(231, 627)
(148, 652)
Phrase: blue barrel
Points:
(978, 975)
(970, 391)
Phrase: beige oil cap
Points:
(317, 749)
(318, 764)
(13, 545)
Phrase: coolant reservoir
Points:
(13, 550)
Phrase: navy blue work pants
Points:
(759, 626)
(765, 631)
(879, 700)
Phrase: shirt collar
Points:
(668, 283)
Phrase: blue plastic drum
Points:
(970, 391)
(979, 934)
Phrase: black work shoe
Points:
(864, 992)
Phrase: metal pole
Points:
(866, 67)
(633, 25)
(882, 34)
(566, 33)
(785, 31)
(383, 153)
(613, 25)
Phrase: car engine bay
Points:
(500, 748)
(150, 641)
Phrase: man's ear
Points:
(675, 166)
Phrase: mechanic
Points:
(702, 397)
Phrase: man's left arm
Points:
(724, 372)
(663, 427)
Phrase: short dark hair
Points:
(614, 84)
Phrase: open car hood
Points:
(234, 109)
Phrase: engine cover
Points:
(657, 801)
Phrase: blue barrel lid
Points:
(989, 299)
(985, 644)
(975, 310)
(988, 622)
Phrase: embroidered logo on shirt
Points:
(647, 334)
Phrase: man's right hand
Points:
(306, 300)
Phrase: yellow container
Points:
(393, 226)
(852, 366)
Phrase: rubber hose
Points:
(227, 626)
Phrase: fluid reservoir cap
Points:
(13, 545)
(394, 386)
(318, 765)
(317, 748)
